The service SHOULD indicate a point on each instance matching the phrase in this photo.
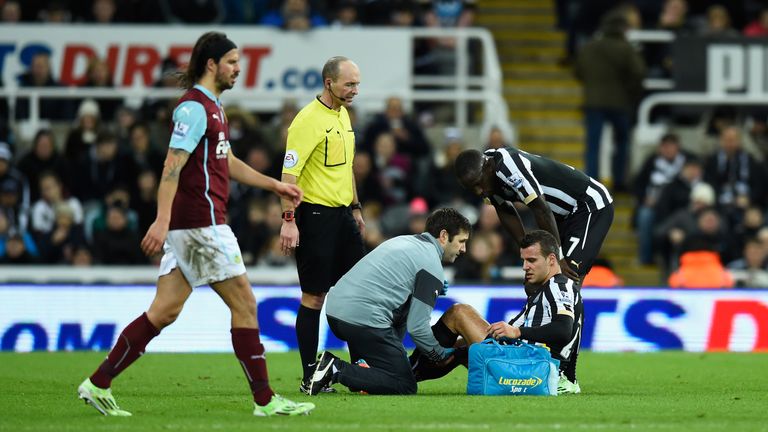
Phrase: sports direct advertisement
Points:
(270, 59)
(90, 317)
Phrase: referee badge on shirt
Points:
(291, 159)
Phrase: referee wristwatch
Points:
(356, 206)
(288, 215)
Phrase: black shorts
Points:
(582, 235)
(389, 371)
(329, 245)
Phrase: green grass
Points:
(204, 392)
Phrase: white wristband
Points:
(560, 253)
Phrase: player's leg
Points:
(388, 371)
(172, 291)
(459, 320)
(582, 239)
(246, 342)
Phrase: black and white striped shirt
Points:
(556, 296)
(523, 177)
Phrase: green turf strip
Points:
(207, 392)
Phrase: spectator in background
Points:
(738, 179)
(369, 189)
(192, 12)
(479, 265)
(98, 75)
(103, 169)
(611, 72)
(7, 232)
(42, 157)
(56, 12)
(393, 170)
(157, 111)
(582, 18)
(240, 196)
(245, 133)
(39, 75)
(346, 15)
(444, 187)
(102, 12)
(677, 194)
(496, 139)
(659, 170)
(52, 195)
(82, 257)
(145, 201)
(752, 267)
(11, 12)
(14, 251)
(255, 235)
(14, 191)
(758, 27)
(751, 226)
(124, 119)
(82, 137)
(277, 130)
(59, 244)
(408, 134)
(117, 243)
(670, 232)
(674, 18)
(145, 154)
(718, 23)
(291, 10)
(96, 213)
(448, 14)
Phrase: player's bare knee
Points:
(163, 317)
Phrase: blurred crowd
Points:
(704, 210)
(580, 19)
(87, 196)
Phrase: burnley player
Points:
(199, 248)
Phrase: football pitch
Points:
(206, 392)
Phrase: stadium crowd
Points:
(87, 195)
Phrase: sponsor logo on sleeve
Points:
(180, 130)
(291, 159)
(516, 180)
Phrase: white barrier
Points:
(71, 317)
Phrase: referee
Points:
(329, 223)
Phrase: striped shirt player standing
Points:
(573, 207)
(199, 247)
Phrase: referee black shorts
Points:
(329, 245)
(582, 235)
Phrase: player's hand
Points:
(502, 329)
(289, 237)
(568, 271)
(153, 241)
(447, 357)
(358, 215)
(289, 192)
